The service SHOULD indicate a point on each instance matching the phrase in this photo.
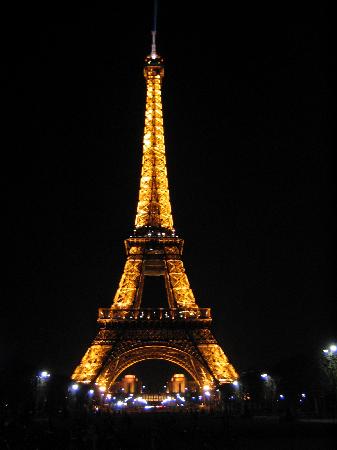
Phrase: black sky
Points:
(247, 116)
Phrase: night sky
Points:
(247, 118)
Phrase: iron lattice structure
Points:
(129, 333)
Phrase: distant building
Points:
(179, 384)
(129, 384)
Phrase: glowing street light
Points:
(74, 387)
(44, 375)
(268, 388)
(41, 390)
(331, 350)
(330, 366)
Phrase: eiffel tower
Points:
(128, 332)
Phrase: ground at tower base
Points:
(45, 410)
(167, 430)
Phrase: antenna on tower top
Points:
(154, 31)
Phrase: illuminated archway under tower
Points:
(181, 332)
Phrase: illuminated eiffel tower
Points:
(181, 332)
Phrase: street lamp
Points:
(269, 388)
(237, 389)
(330, 365)
(41, 390)
(206, 394)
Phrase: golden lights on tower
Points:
(154, 208)
(129, 333)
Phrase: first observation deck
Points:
(116, 315)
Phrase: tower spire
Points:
(153, 45)
(154, 31)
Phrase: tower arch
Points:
(182, 358)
